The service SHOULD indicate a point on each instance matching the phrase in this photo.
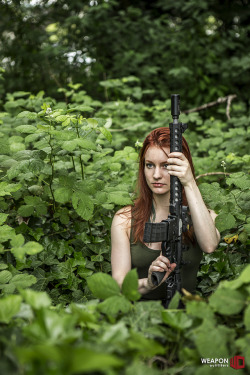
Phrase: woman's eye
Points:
(165, 166)
(149, 165)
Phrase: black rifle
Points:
(169, 231)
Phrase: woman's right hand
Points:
(160, 264)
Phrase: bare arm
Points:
(120, 247)
(121, 257)
(206, 233)
(203, 219)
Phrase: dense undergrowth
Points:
(65, 169)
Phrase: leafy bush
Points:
(63, 175)
(120, 335)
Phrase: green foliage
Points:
(101, 337)
(58, 180)
(154, 45)
(63, 175)
(62, 179)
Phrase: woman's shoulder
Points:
(123, 218)
(124, 212)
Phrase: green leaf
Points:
(92, 122)
(6, 189)
(247, 318)
(81, 108)
(23, 280)
(36, 300)
(145, 346)
(243, 347)
(30, 248)
(3, 266)
(6, 233)
(120, 198)
(33, 201)
(26, 210)
(103, 286)
(225, 221)
(83, 205)
(16, 169)
(245, 275)
(227, 301)
(35, 189)
(9, 306)
(101, 197)
(239, 179)
(18, 240)
(5, 276)
(82, 314)
(208, 338)
(30, 129)
(36, 165)
(244, 278)
(97, 258)
(200, 310)
(16, 147)
(27, 114)
(247, 228)
(62, 118)
(115, 167)
(130, 286)
(174, 303)
(70, 145)
(86, 144)
(63, 194)
(3, 218)
(87, 361)
(113, 305)
(176, 319)
(106, 133)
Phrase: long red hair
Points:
(141, 210)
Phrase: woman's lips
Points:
(158, 185)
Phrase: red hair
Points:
(141, 210)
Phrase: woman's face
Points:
(155, 170)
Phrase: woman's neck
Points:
(161, 206)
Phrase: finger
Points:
(159, 265)
(177, 168)
(179, 155)
(157, 269)
(175, 161)
(178, 174)
(163, 265)
(171, 269)
(163, 259)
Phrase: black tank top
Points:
(142, 257)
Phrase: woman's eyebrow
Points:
(149, 161)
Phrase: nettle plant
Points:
(60, 181)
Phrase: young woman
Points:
(128, 250)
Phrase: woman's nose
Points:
(157, 173)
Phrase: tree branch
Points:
(212, 174)
(227, 99)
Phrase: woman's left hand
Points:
(179, 166)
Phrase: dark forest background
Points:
(81, 84)
(197, 48)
